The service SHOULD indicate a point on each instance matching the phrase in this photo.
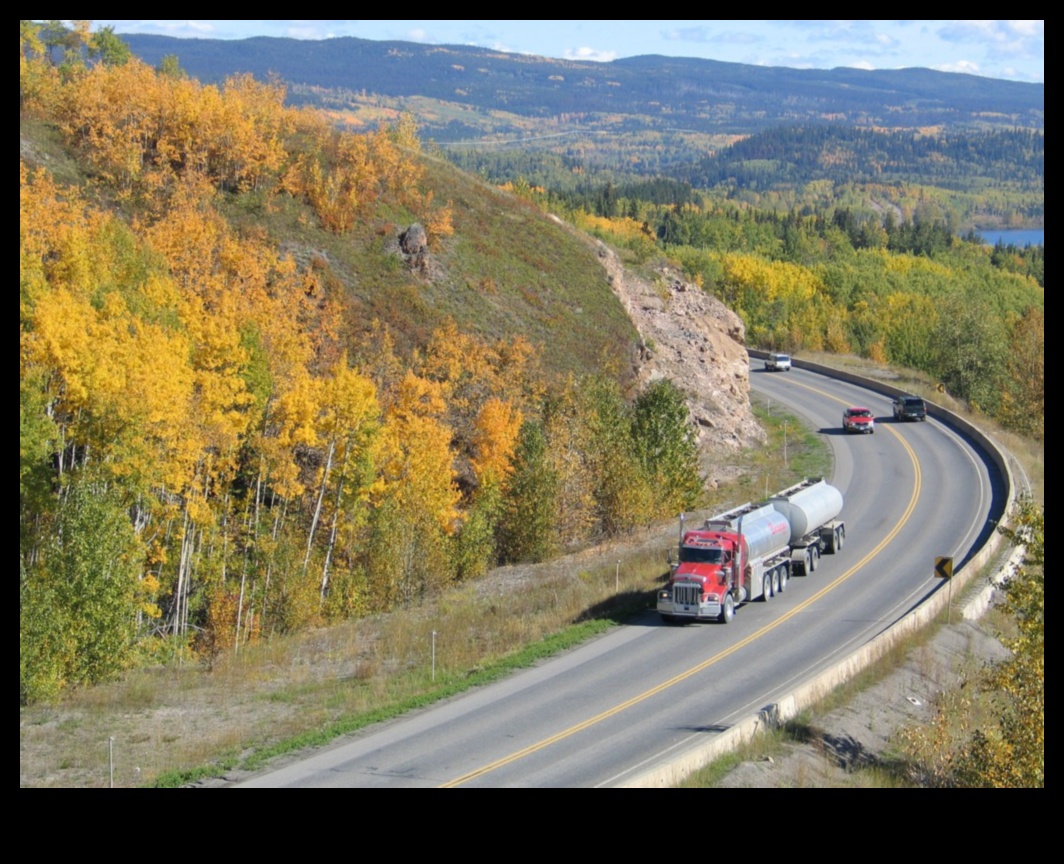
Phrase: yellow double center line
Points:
(727, 652)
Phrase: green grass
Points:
(793, 451)
(446, 686)
(443, 688)
(770, 745)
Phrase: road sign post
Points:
(944, 570)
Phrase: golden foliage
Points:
(494, 438)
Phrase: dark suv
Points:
(910, 408)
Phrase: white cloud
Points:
(418, 34)
(969, 29)
(1034, 27)
(737, 37)
(687, 34)
(1022, 40)
(862, 64)
(992, 31)
(966, 66)
(585, 53)
(305, 33)
(167, 26)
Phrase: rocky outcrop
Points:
(696, 341)
(414, 240)
(412, 245)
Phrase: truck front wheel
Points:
(727, 612)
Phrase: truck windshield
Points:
(701, 555)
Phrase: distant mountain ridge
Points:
(699, 95)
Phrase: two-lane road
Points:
(602, 712)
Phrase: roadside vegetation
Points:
(247, 410)
(991, 733)
(186, 721)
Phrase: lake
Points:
(1014, 238)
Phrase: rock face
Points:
(413, 248)
(697, 342)
(414, 240)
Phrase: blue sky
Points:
(1013, 49)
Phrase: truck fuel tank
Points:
(807, 506)
(765, 530)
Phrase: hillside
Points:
(275, 375)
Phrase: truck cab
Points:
(706, 579)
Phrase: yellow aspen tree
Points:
(568, 454)
(347, 426)
(494, 438)
(416, 504)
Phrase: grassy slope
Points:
(507, 270)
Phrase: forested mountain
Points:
(844, 154)
(742, 130)
(703, 95)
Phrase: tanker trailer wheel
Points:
(814, 558)
(776, 581)
(785, 576)
(728, 611)
(766, 587)
(842, 538)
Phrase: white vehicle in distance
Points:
(778, 363)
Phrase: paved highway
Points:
(643, 692)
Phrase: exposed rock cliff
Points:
(695, 340)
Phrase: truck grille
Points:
(687, 594)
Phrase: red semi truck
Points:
(750, 553)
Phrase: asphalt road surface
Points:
(645, 691)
